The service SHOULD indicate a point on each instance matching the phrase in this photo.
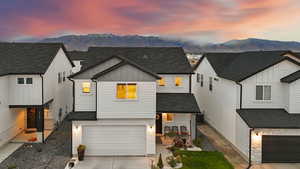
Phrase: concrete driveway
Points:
(276, 166)
(114, 163)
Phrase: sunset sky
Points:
(198, 20)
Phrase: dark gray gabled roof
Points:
(78, 116)
(160, 60)
(77, 55)
(27, 58)
(240, 66)
(176, 103)
(291, 78)
(269, 118)
(122, 63)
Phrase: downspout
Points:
(241, 94)
(43, 136)
(96, 95)
(73, 99)
(190, 87)
(250, 148)
(73, 83)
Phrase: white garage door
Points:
(114, 140)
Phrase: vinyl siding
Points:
(25, 94)
(85, 101)
(60, 92)
(270, 76)
(294, 97)
(111, 107)
(170, 86)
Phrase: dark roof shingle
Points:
(291, 78)
(176, 103)
(27, 58)
(269, 118)
(160, 60)
(240, 66)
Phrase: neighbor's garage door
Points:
(114, 140)
(280, 149)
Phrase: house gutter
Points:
(73, 93)
(250, 148)
(241, 94)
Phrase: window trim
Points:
(126, 84)
(263, 92)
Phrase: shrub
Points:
(81, 147)
(12, 166)
(171, 134)
(198, 142)
(160, 163)
(179, 143)
(171, 161)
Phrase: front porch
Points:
(35, 124)
(176, 116)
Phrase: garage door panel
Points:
(281, 149)
(115, 140)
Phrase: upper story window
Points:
(170, 117)
(126, 91)
(263, 92)
(86, 87)
(210, 83)
(178, 81)
(198, 77)
(64, 76)
(29, 80)
(161, 82)
(201, 80)
(59, 77)
(22, 80)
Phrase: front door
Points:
(31, 120)
(159, 123)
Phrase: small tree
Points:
(160, 163)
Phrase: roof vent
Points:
(145, 57)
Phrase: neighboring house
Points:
(253, 100)
(35, 93)
(125, 97)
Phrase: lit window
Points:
(127, 91)
(28, 80)
(161, 82)
(20, 80)
(86, 87)
(210, 83)
(169, 117)
(263, 92)
(178, 81)
(131, 91)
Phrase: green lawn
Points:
(204, 160)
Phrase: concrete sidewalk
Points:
(114, 163)
(7, 149)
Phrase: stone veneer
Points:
(256, 155)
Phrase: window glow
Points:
(127, 91)
(178, 81)
(131, 91)
(86, 87)
(161, 82)
(168, 117)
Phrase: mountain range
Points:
(82, 42)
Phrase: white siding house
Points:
(233, 90)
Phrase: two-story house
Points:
(34, 90)
(253, 100)
(125, 97)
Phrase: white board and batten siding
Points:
(170, 86)
(61, 93)
(111, 107)
(25, 94)
(85, 101)
(294, 97)
(270, 76)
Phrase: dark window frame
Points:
(22, 82)
(29, 80)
